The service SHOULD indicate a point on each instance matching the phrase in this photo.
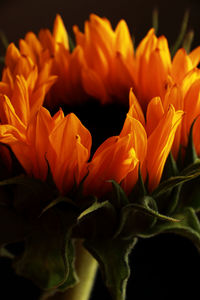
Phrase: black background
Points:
(164, 267)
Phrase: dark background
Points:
(164, 267)
(18, 17)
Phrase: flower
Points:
(43, 60)
(155, 81)
(62, 141)
(20, 67)
(153, 140)
(145, 144)
(109, 59)
(44, 72)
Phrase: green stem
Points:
(86, 268)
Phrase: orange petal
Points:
(192, 109)
(20, 99)
(38, 137)
(181, 65)
(114, 160)
(59, 32)
(12, 56)
(154, 114)
(94, 85)
(10, 116)
(160, 143)
(195, 56)
(123, 42)
(64, 140)
(135, 109)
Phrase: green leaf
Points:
(188, 226)
(47, 259)
(112, 255)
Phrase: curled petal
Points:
(160, 143)
(113, 161)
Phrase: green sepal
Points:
(179, 191)
(3, 39)
(60, 199)
(48, 255)
(190, 155)
(172, 182)
(118, 197)
(187, 42)
(49, 178)
(155, 19)
(98, 221)
(168, 198)
(5, 253)
(139, 191)
(137, 218)
(182, 33)
(190, 195)
(71, 43)
(170, 168)
(2, 60)
(188, 226)
(112, 256)
(77, 195)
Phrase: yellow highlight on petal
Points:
(132, 158)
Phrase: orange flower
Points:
(67, 66)
(152, 150)
(156, 71)
(185, 96)
(63, 141)
(119, 157)
(160, 138)
(114, 159)
(109, 58)
(103, 65)
(43, 59)
(18, 65)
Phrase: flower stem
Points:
(86, 268)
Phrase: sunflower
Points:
(102, 66)
(101, 144)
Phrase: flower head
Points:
(103, 65)
(109, 58)
(62, 141)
